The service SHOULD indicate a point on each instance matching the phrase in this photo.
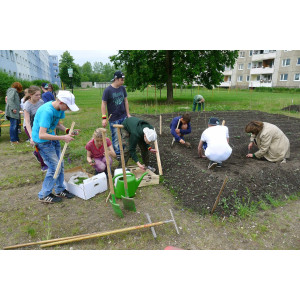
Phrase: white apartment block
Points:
(264, 68)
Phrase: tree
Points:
(66, 62)
(161, 67)
(98, 67)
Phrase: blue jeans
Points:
(114, 135)
(199, 106)
(50, 152)
(13, 130)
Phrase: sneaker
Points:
(219, 165)
(66, 194)
(44, 168)
(212, 165)
(50, 199)
(151, 169)
(14, 143)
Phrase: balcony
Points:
(225, 84)
(264, 56)
(256, 71)
(260, 83)
(227, 72)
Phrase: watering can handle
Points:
(121, 174)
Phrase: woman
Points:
(95, 152)
(31, 104)
(12, 110)
(272, 143)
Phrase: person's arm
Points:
(173, 128)
(265, 142)
(200, 148)
(28, 126)
(43, 135)
(103, 111)
(61, 127)
(89, 158)
(186, 131)
(127, 107)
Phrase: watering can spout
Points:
(138, 181)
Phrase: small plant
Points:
(48, 228)
(273, 202)
(31, 231)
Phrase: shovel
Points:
(115, 206)
(174, 137)
(127, 202)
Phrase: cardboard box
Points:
(89, 188)
(149, 179)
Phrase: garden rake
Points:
(115, 206)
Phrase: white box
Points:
(89, 188)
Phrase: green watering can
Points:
(132, 183)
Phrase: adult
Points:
(12, 110)
(215, 141)
(43, 134)
(272, 143)
(31, 104)
(115, 101)
(47, 95)
(138, 132)
(198, 100)
(51, 90)
(179, 127)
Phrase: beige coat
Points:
(272, 143)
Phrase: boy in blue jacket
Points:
(179, 127)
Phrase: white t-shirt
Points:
(218, 148)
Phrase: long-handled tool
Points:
(158, 158)
(100, 234)
(127, 202)
(63, 153)
(115, 206)
(174, 137)
(219, 195)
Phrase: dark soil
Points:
(248, 179)
(292, 108)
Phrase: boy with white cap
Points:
(215, 141)
(47, 142)
(138, 132)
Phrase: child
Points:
(43, 134)
(198, 100)
(32, 102)
(95, 152)
(184, 127)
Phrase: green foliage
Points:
(66, 62)
(277, 90)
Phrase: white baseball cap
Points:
(151, 135)
(68, 98)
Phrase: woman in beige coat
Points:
(272, 143)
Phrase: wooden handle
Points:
(111, 186)
(160, 124)
(219, 195)
(122, 159)
(63, 153)
(176, 128)
(118, 126)
(158, 158)
(223, 122)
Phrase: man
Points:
(138, 132)
(47, 95)
(115, 101)
(179, 127)
(47, 142)
(215, 141)
(198, 100)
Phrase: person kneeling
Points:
(179, 127)
(215, 141)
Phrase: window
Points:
(240, 78)
(258, 77)
(286, 62)
(242, 53)
(297, 77)
(249, 65)
(298, 61)
(241, 66)
(250, 52)
(248, 78)
(12, 56)
(283, 77)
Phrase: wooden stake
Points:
(63, 153)
(158, 158)
(219, 195)
(160, 124)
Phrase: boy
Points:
(215, 140)
(138, 132)
(184, 127)
(47, 142)
(198, 100)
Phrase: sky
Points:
(82, 56)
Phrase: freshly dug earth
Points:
(248, 179)
(292, 108)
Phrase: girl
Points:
(95, 152)
(31, 104)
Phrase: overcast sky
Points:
(82, 56)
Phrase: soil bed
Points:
(249, 179)
(292, 108)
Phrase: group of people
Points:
(42, 120)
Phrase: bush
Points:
(277, 90)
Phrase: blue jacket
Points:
(173, 126)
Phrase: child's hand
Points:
(92, 163)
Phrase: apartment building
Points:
(264, 68)
(30, 65)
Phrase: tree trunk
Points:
(169, 67)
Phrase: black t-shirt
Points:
(115, 102)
